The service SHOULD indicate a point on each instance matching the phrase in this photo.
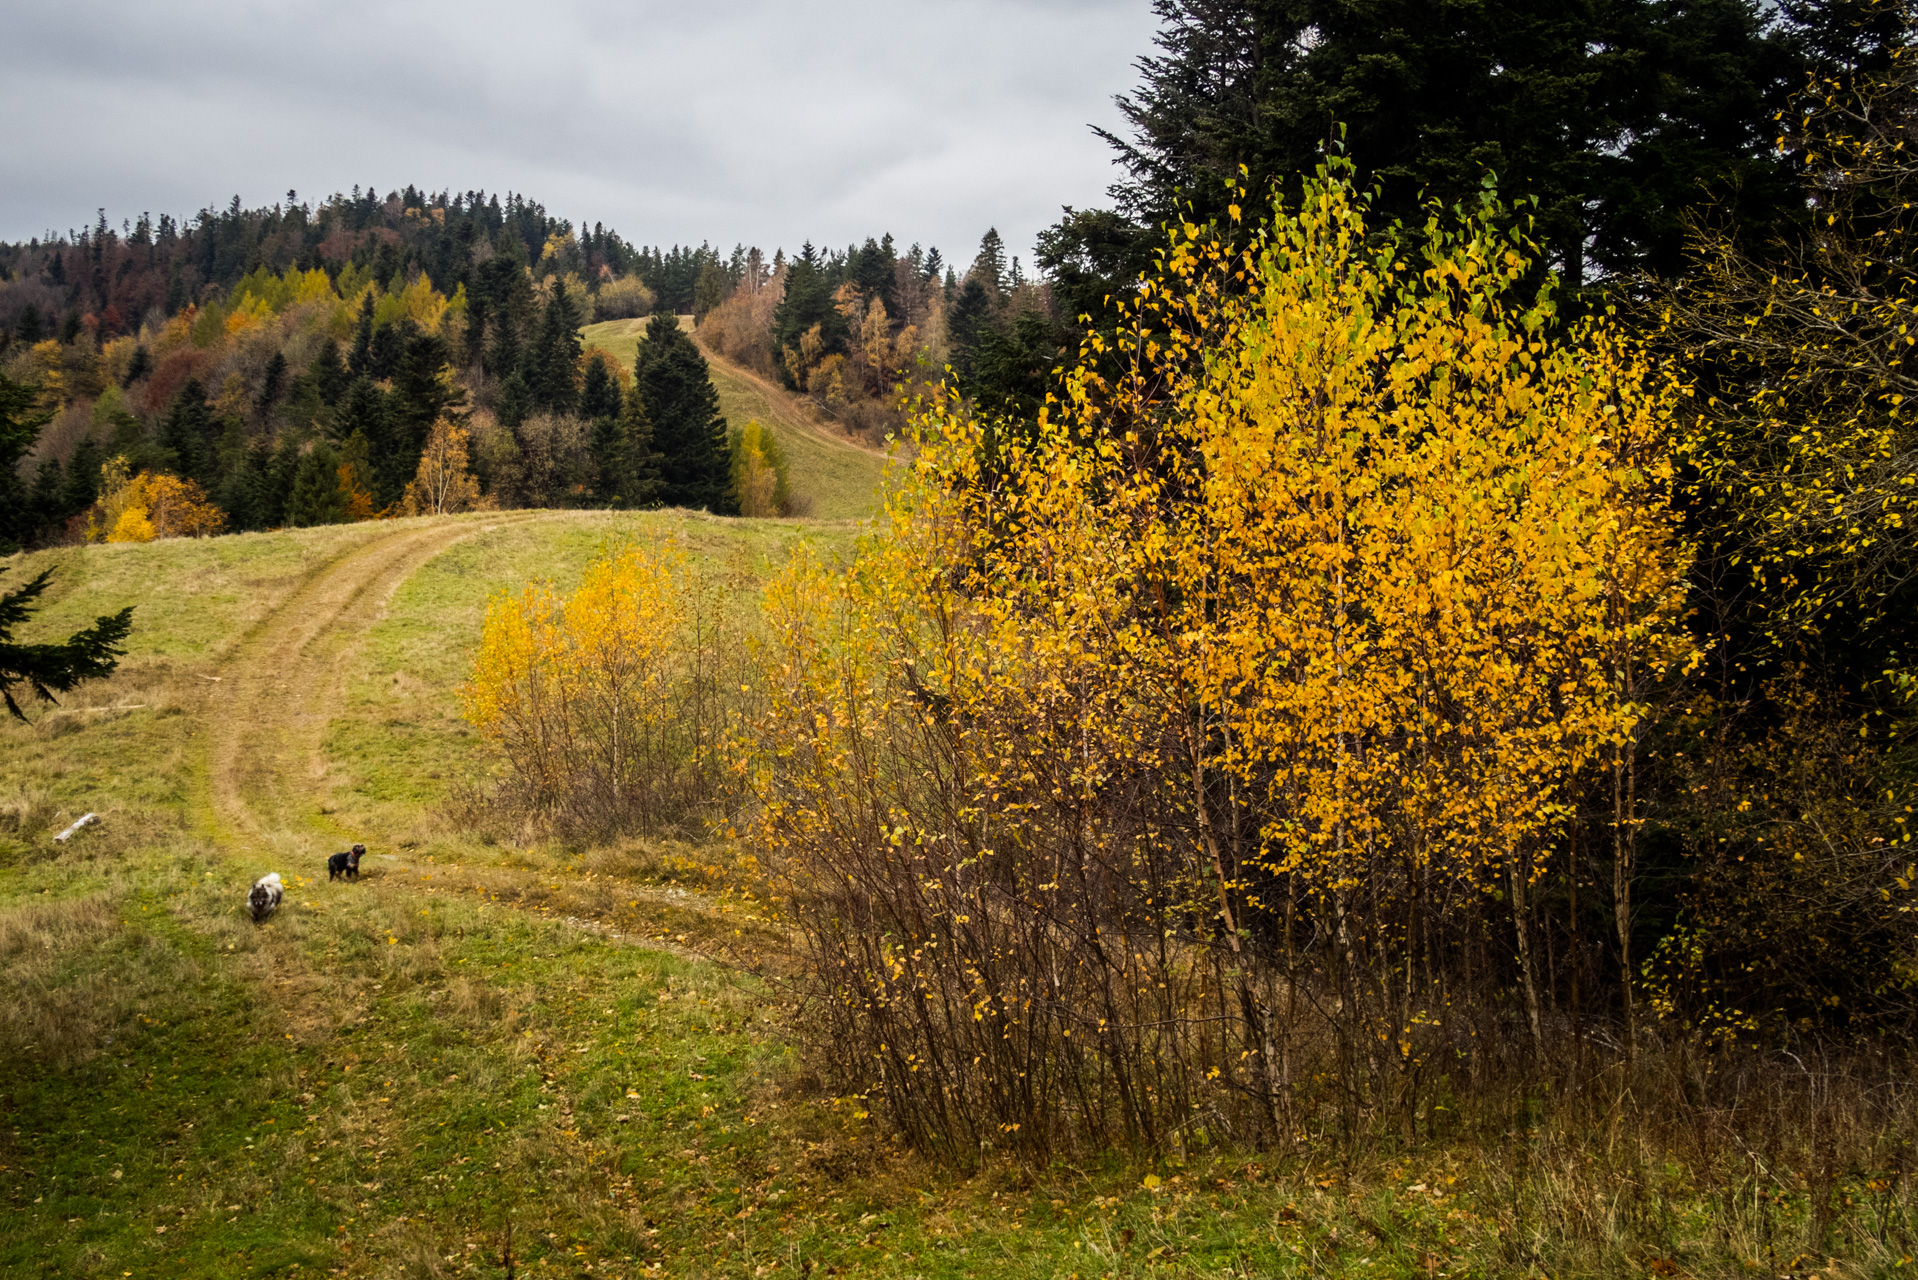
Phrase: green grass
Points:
(835, 478)
(382, 1078)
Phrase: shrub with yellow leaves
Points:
(607, 706)
(1166, 770)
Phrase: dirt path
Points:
(278, 691)
(267, 721)
(787, 410)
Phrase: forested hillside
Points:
(293, 365)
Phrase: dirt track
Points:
(268, 717)
(267, 720)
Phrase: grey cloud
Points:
(760, 122)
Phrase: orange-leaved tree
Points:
(1225, 715)
(150, 505)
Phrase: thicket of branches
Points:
(1188, 768)
(611, 707)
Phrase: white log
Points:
(86, 820)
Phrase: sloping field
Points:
(834, 475)
(497, 1057)
(482, 1059)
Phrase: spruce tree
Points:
(46, 669)
(82, 485)
(20, 424)
(138, 367)
(672, 384)
(316, 497)
(329, 374)
(272, 385)
(189, 434)
(1619, 118)
(43, 501)
(423, 393)
(368, 411)
(552, 358)
(276, 490)
(989, 267)
(241, 490)
(599, 395)
(360, 362)
(628, 469)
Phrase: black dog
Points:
(346, 864)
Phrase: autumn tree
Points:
(1199, 743)
(444, 484)
(605, 707)
(143, 506)
(1803, 370)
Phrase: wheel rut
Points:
(267, 720)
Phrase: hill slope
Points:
(835, 476)
(381, 1078)
(504, 1057)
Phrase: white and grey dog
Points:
(265, 898)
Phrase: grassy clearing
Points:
(389, 1075)
(836, 478)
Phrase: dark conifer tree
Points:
(329, 373)
(189, 434)
(971, 315)
(20, 424)
(808, 302)
(389, 344)
(272, 385)
(423, 392)
(1616, 117)
(360, 362)
(599, 395)
(316, 497)
(43, 500)
(368, 411)
(242, 489)
(31, 328)
(82, 485)
(672, 384)
(628, 468)
(70, 328)
(276, 490)
(552, 359)
(139, 366)
(511, 405)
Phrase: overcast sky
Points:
(749, 121)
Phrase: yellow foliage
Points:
(419, 302)
(248, 315)
(140, 508)
(1319, 604)
(444, 484)
(134, 525)
(590, 698)
(359, 502)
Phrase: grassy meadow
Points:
(832, 477)
(492, 1057)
